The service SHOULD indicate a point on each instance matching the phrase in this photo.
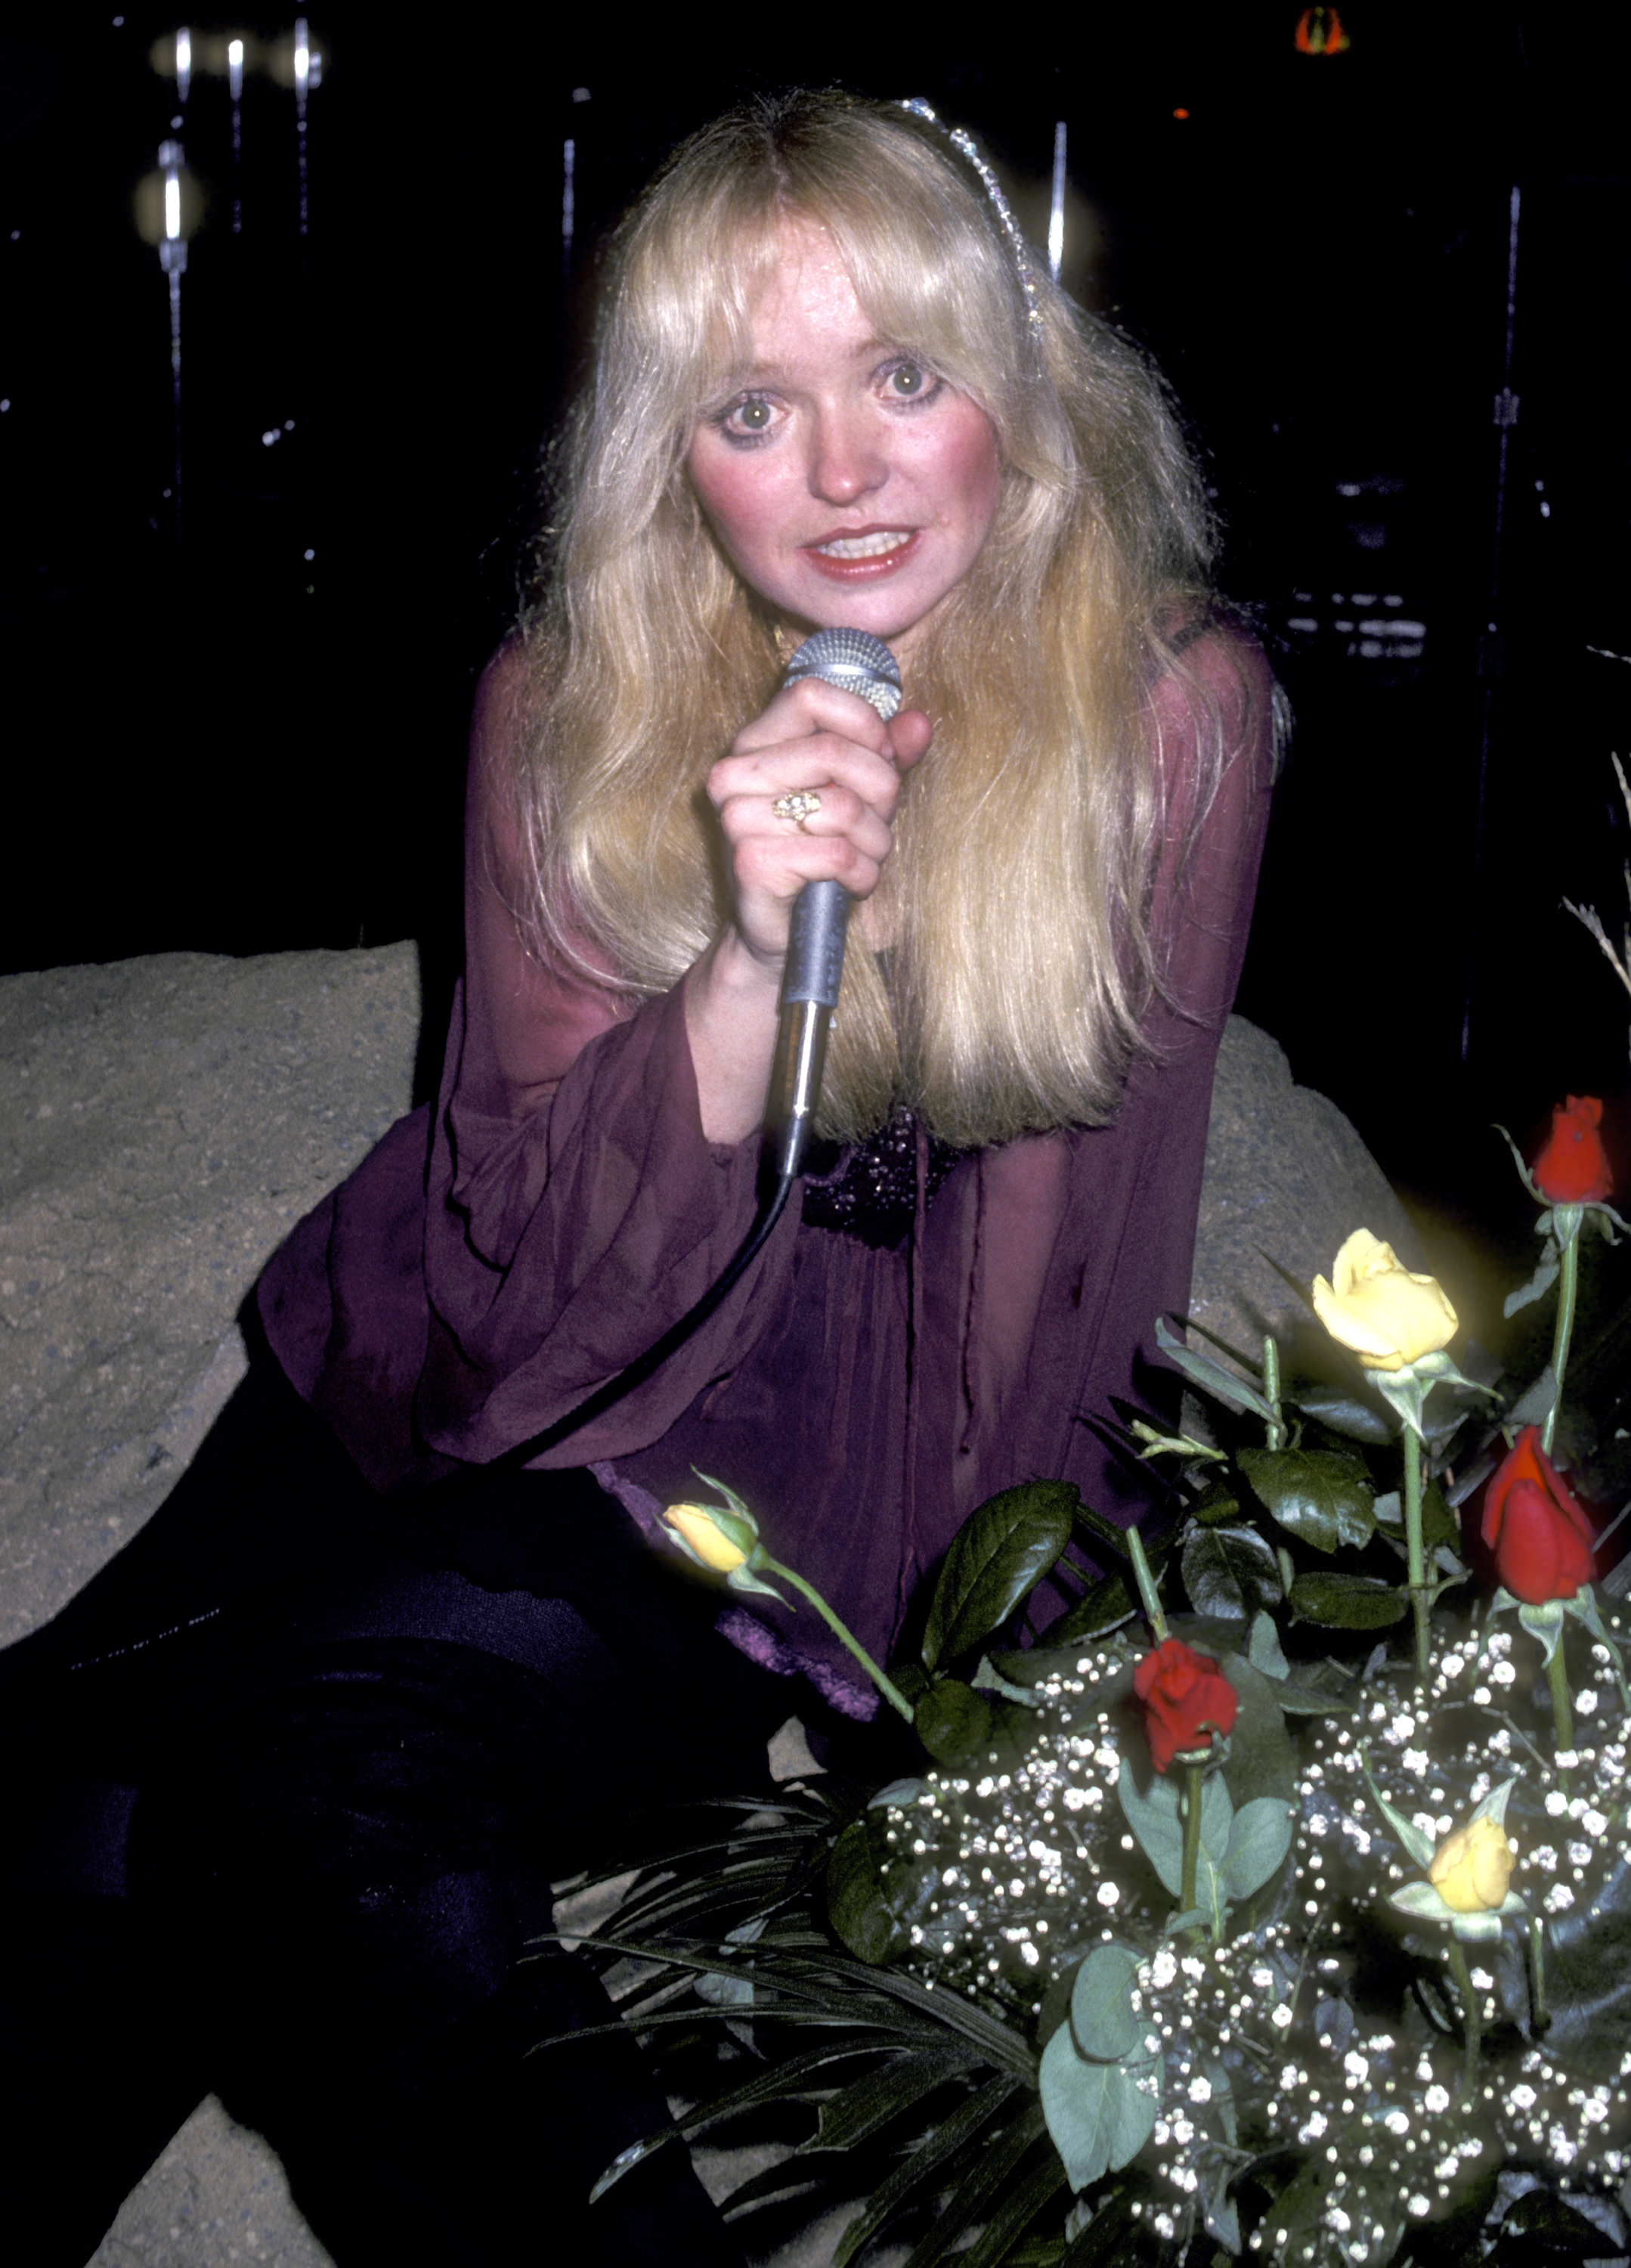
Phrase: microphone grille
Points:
(853, 659)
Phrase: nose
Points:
(846, 460)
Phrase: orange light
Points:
(1319, 33)
(1180, 113)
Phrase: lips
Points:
(862, 554)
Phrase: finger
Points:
(790, 766)
(910, 734)
(813, 706)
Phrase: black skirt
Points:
(285, 1789)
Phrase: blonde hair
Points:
(1010, 998)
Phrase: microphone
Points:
(815, 946)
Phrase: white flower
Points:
(1436, 2098)
(1396, 2123)
(1200, 2090)
(1163, 1969)
(1282, 2016)
(1314, 2129)
(1556, 1803)
(1594, 1823)
(1419, 2206)
(1108, 1894)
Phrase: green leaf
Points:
(1102, 1607)
(1441, 1530)
(1211, 1377)
(1263, 1648)
(1217, 1506)
(1539, 1285)
(1154, 1816)
(998, 1557)
(986, 2183)
(1101, 2004)
(1098, 2117)
(952, 1722)
(1258, 1842)
(869, 2103)
(962, 2130)
(1317, 1494)
(1534, 1405)
(1229, 1572)
(1341, 1410)
(856, 1904)
(1347, 1602)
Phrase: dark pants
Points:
(292, 1850)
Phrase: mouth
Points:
(875, 544)
(867, 555)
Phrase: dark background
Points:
(253, 740)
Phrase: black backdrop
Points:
(233, 746)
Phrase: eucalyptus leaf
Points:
(1229, 1572)
(996, 1558)
(1347, 1602)
(1098, 2117)
(1317, 1495)
(952, 1722)
(1258, 1842)
(1101, 2004)
(1224, 1385)
(1263, 1647)
(1155, 1815)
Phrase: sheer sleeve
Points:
(576, 1209)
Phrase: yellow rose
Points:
(702, 1528)
(1380, 1311)
(1472, 1869)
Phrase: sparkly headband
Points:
(965, 144)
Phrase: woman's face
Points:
(850, 485)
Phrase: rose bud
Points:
(1542, 1541)
(1185, 1698)
(1472, 1869)
(1573, 1167)
(1379, 1310)
(706, 1533)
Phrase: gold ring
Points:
(798, 807)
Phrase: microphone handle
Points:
(814, 970)
(815, 948)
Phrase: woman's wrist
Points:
(733, 1000)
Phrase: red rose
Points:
(1541, 1539)
(1573, 1167)
(1184, 1694)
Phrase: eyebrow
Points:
(863, 352)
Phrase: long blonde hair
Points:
(1009, 999)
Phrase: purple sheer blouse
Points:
(495, 1259)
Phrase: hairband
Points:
(964, 143)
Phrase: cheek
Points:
(735, 495)
(972, 471)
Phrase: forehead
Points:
(807, 300)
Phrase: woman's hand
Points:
(812, 737)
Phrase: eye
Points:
(911, 382)
(751, 417)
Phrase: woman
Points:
(829, 390)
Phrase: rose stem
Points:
(1566, 1220)
(1271, 1393)
(1146, 1582)
(1194, 1771)
(1539, 2016)
(890, 1691)
(1470, 2006)
(1413, 1545)
(1562, 1715)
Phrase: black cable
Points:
(641, 1367)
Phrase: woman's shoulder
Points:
(1212, 679)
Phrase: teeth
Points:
(865, 546)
